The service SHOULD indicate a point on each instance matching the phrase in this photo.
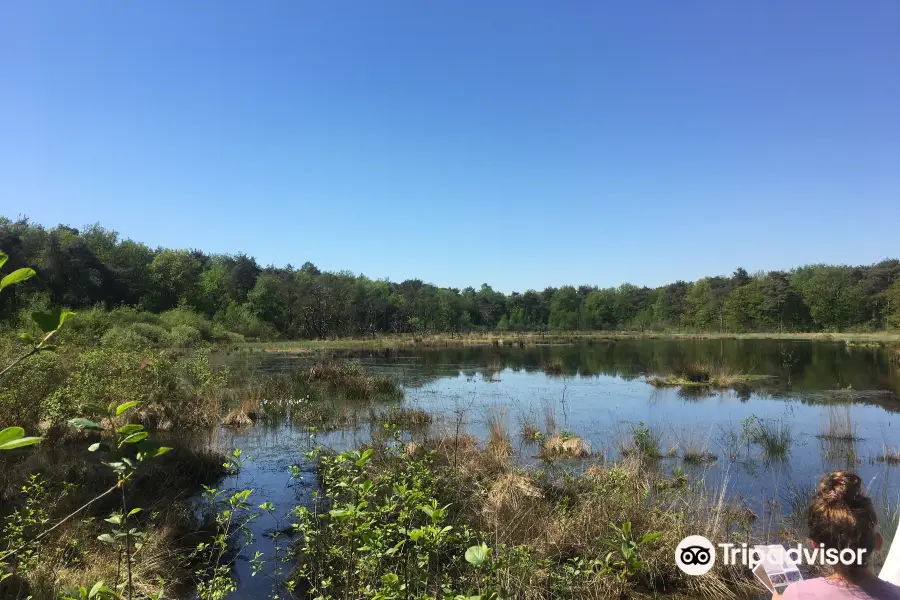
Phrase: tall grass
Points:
(839, 425)
(775, 437)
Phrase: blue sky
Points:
(522, 144)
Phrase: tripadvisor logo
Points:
(695, 555)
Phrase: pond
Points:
(601, 393)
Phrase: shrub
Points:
(238, 318)
(176, 390)
(26, 388)
(124, 338)
(220, 334)
(185, 336)
(185, 316)
(157, 335)
(87, 326)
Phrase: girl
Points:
(841, 516)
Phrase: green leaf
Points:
(106, 538)
(3, 258)
(11, 433)
(51, 320)
(98, 447)
(364, 458)
(650, 537)
(17, 276)
(82, 423)
(127, 405)
(130, 428)
(25, 441)
(161, 451)
(134, 511)
(26, 337)
(476, 555)
(114, 519)
(134, 438)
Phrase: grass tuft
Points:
(839, 426)
(565, 445)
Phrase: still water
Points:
(601, 394)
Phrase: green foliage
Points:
(185, 336)
(14, 437)
(124, 338)
(646, 441)
(27, 388)
(176, 390)
(94, 268)
(385, 535)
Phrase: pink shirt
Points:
(830, 589)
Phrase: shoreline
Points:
(400, 341)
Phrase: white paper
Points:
(776, 574)
(890, 571)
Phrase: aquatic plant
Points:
(644, 442)
(775, 437)
(839, 425)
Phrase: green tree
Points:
(176, 276)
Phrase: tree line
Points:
(93, 266)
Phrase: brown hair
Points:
(841, 515)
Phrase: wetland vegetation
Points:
(148, 451)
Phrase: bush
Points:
(185, 336)
(175, 389)
(185, 316)
(239, 319)
(157, 335)
(87, 327)
(124, 338)
(25, 390)
(220, 334)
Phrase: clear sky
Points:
(518, 143)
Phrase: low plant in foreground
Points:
(450, 520)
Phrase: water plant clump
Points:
(775, 437)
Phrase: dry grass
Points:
(408, 418)
(706, 376)
(531, 433)
(349, 380)
(889, 455)
(236, 417)
(549, 410)
(569, 517)
(839, 425)
(71, 554)
(499, 445)
(565, 446)
(386, 342)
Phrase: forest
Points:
(93, 267)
